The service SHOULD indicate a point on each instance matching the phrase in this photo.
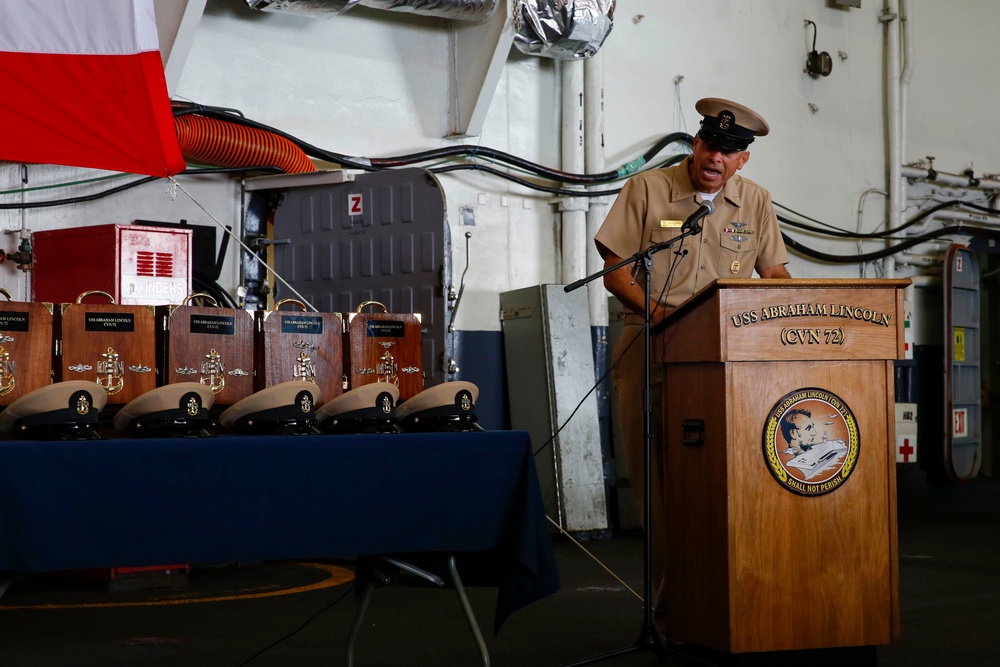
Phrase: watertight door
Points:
(963, 399)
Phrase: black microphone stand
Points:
(649, 639)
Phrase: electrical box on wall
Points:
(134, 264)
(848, 3)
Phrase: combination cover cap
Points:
(60, 411)
(173, 410)
(370, 408)
(729, 126)
(288, 408)
(450, 406)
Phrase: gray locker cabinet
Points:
(550, 375)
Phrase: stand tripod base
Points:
(648, 640)
(860, 656)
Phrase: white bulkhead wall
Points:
(375, 83)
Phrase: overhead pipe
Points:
(967, 179)
(905, 75)
(573, 209)
(593, 150)
(597, 209)
(562, 29)
(460, 10)
(890, 17)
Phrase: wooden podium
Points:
(780, 524)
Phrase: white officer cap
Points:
(370, 408)
(450, 406)
(173, 410)
(61, 411)
(288, 408)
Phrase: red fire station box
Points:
(135, 264)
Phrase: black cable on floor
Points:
(296, 630)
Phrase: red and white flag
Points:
(82, 84)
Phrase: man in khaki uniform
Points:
(741, 236)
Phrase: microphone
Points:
(693, 222)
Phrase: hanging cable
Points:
(836, 231)
(885, 252)
(133, 184)
(539, 187)
(465, 150)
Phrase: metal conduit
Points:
(461, 10)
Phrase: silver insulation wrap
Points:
(461, 10)
(562, 29)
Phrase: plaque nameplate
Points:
(123, 322)
(15, 321)
(213, 324)
(301, 324)
(385, 329)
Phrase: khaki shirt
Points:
(741, 236)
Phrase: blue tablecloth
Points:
(130, 503)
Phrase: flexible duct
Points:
(461, 10)
(562, 29)
(218, 143)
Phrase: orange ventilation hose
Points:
(214, 142)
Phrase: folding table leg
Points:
(358, 620)
(463, 599)
(6, 579)
(456, 581)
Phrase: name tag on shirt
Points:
(670, 224)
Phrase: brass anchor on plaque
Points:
(111, 372)
(6, 372)
(388, 369)
(215, 371)
(305, 368)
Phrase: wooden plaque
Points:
(26, 348)
(111, 344)
(299, 345)
(385, 347)
(210, 345)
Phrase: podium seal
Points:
(811, 441)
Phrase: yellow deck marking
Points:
(337, 576)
